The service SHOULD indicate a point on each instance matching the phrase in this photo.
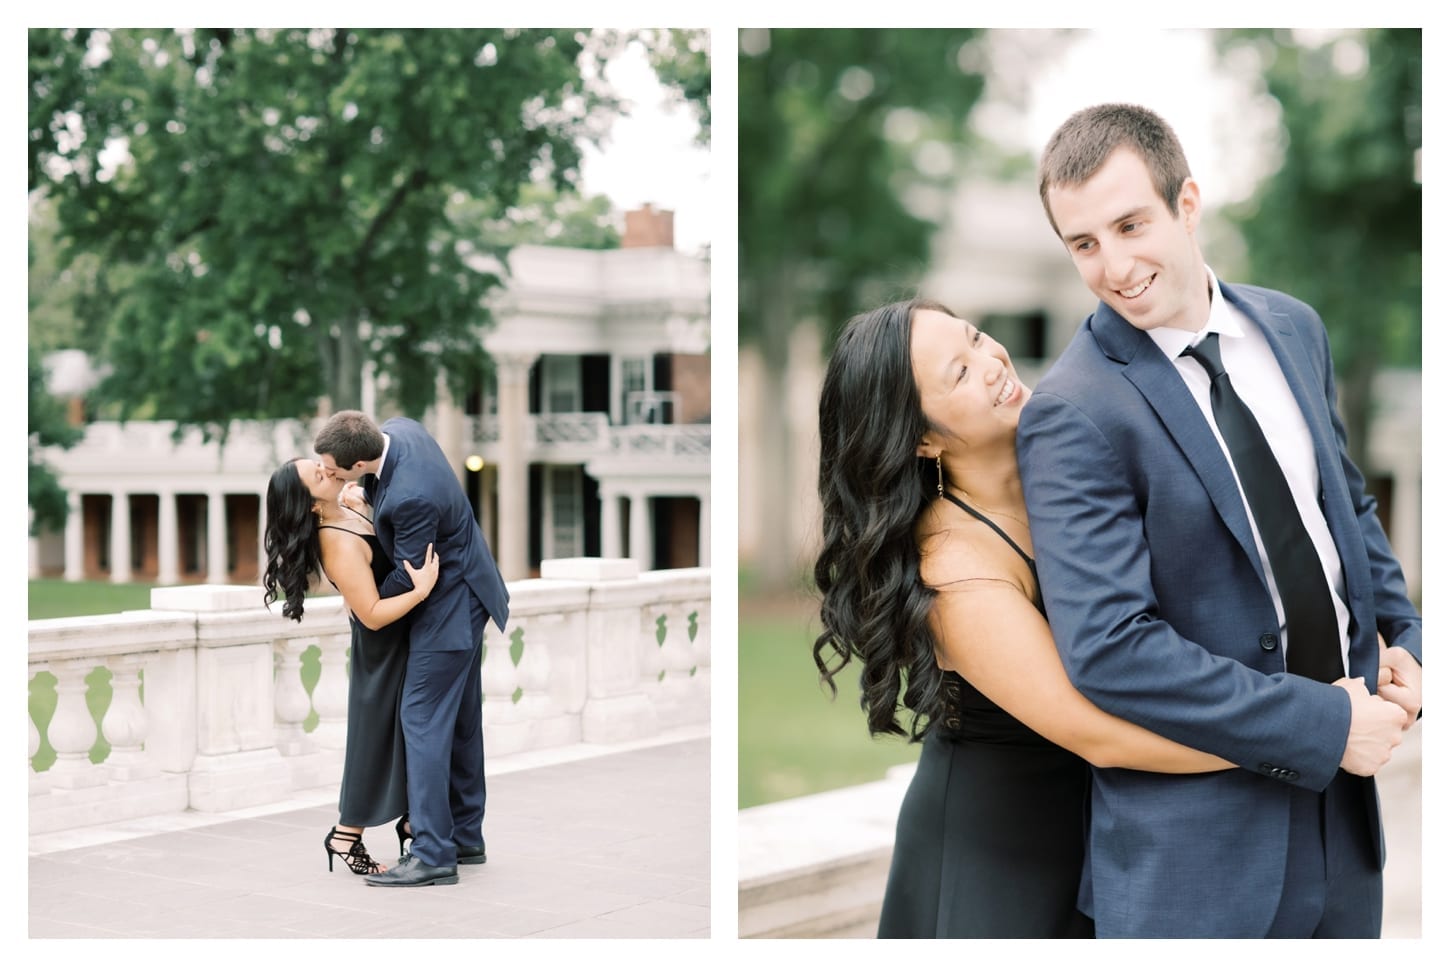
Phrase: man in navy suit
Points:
(1158, 584)
(417, 500)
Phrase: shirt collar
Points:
(384, 458)
(1221, 319)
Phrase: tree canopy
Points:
(279, 200)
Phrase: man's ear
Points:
(1190, 206)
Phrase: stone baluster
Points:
(329, 695)
(124, 724)
(290, 699)
(676, 652)
(533, 668)
(500, 678)
(651, 660)
(72, 730)
(700, 647)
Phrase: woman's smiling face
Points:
(967, 385)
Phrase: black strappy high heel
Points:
(356, 858)
(404, 834)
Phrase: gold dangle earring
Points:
(940, 491)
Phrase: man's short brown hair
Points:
(1083, 142)
(349, 436)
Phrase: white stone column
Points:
(611, 539)
(75, 543)
(216, 537)
(120, 538)
(704, 496)
(513, 469)
(166, 538)
(641, 533)
(448, 426)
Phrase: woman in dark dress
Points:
(316, 522)
(927, 581)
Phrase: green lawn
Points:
(794, 739)
(53, 598)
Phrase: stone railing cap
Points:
(206, 597)
(589, 569)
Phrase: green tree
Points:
(1338, 225)
(47, 427)
(542, 215)
(278, 199)
(836, 128)
(681, 60)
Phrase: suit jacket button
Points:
(1291, 775)
(1268, 642)
(1266, 769)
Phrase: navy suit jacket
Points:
(417, 502)
(1158, 603)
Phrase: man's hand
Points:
(1399, 680)
(1375, 728)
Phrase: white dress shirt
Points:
(1254, 371)
(384, 458)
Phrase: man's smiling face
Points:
(1134, 254)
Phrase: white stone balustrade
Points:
(208, 702)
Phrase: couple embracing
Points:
(376, 501)
(1144, 619)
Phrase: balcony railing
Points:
(589, 434)
(209, 709)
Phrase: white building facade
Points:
(591, 440)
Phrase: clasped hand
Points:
(1377, 723)
(1400, 679)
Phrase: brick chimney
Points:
(648, 227)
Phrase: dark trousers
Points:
(1333, 883)
(442, 714)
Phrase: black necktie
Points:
(370, 487)
(1313, 648)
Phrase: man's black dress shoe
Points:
(472, 854)
(414, 872)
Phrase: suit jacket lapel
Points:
(1145, 366)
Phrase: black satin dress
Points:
(374, 781)
(990, 839)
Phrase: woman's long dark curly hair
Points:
(294, 553)
(873, 487)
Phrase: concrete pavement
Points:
(580, 844)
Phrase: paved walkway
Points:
(579, 845)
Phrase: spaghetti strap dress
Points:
(990, 837)
(374, 788)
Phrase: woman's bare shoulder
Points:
(964, 555)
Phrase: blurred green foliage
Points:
(840, 130)
(48, 426)
(1338, 225)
